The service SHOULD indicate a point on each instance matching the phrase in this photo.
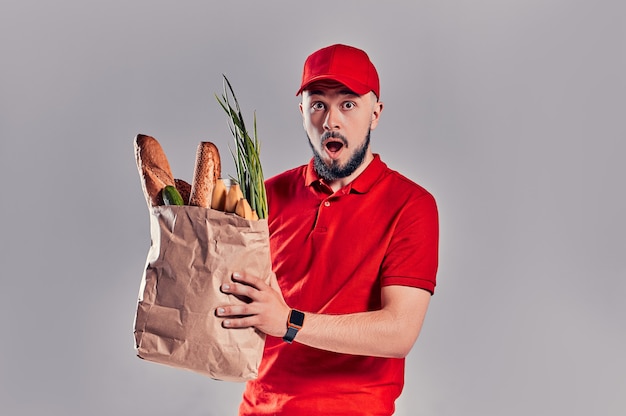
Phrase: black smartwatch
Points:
(294, 324)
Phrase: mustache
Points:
(334, 135)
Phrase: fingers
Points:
(239, 290)
(264, 307)
(245, 288)
(235, 311)
(238, 323)
(249, 280)
(239, 316)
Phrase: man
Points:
(354, 250)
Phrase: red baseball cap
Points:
(345, 64)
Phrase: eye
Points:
(318, 106)
(349, 105)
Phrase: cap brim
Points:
(352, 85)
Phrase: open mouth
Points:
(333, 146)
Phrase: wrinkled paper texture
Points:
(193, 251)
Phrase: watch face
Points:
(296, 318)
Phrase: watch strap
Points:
(290, 335)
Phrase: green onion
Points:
(247, 152)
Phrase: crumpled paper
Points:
(193, 251)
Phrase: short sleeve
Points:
(412, 255)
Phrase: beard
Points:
(335, 170)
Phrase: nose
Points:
(332, 120)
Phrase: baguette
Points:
(154, 169)
(207, 170)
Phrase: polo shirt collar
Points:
(361, 184)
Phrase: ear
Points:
(302, 113)
(377, 109)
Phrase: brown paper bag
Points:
(193, 251)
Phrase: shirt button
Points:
(327, 204)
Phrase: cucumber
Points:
(171, 196)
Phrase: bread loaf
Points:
(207, 170)
(232, 197)
(219, 195)
(154, 169)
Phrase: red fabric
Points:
(332, 254)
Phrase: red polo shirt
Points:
(332, 252)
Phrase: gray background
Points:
(509, 112)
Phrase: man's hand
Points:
(398, 322)
(266, 311)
